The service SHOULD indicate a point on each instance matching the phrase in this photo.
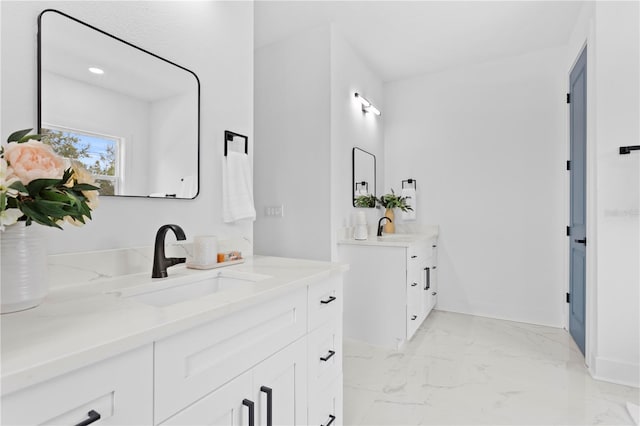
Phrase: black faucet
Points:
(161, 263)
(380, 225)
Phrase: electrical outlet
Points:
(274, 211)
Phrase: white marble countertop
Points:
(82, 324)
(392, 240)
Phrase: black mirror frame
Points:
(39, 67)
(353, 174)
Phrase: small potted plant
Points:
(368, 200)
(389, 202)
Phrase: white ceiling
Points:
(400, 39)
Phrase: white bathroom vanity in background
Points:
(391, 286)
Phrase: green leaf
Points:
(29, 137)
(31, 212)
(84, 187)
(3, 201)
(35, 186)
(17, 185)
(16, 136)
(53, 209)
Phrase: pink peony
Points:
(33, 160)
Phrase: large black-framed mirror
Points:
(131, 116)
(363, 182)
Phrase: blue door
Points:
(578, 178)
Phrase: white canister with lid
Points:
(360, 231)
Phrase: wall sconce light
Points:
(366, 105)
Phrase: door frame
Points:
(591, 206)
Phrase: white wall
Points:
(486, 145)
(617, 86)
(307, 122)
(94, 109)
(213, 39)
(292, 149)
(351, 127)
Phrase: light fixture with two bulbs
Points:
(366, 105)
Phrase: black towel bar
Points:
(228, 137)
(410, 181)
(628, 149)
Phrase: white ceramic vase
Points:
(23, 264)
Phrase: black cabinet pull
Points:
(328, 357)
(269, 393)
(93, 416)
(414, 284)
(414, 256)
(329, 300)
(413, 317)
(434, 246)
(252, 411)
(434, 293)
(581, 241)
(434, 267)
(428, 276)
(331, 419)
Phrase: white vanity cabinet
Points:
(271, 393)
(324, 344)
(277, 360)
(117, 391)
(390, 289)
(194, 363)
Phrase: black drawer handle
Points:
(331, 419)
(413, 317)
(329, 300)
(269, 393)
(414, 256)
(433, 267)
(581, 241)
(434, 293)
(252, 411)
(93, 415)
(414, 284)
(434, 246)
(328, 357)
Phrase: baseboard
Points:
(622, 373)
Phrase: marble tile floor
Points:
(467, 370)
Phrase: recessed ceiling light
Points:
(96, 70)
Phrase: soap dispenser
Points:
(360, 232)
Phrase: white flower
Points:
(9, 217)
(5, 170)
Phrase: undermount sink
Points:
(182, 289)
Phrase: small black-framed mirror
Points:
(130, 116)
(363, 183)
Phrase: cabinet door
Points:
(427, 290)
(280, 387)
(223, 407)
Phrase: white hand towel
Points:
(410, 193)
(237, 188)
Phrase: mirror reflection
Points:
(364, 177)
(130, 116)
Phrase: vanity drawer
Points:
(191, 364)
(325, 406)
(325, 301)
(325, 354)
(119, 389)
